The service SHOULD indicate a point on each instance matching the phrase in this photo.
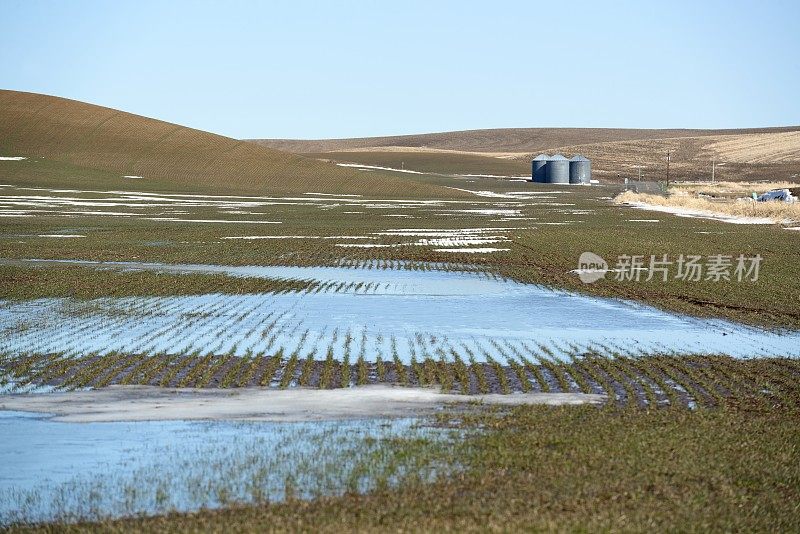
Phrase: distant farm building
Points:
(557, 169)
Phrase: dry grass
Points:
(730, 188)
(780, 212)
(758, 148)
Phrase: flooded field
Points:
(390, 313)
(443, 325)
(51, 470)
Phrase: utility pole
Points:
(668, 157)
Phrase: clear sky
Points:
(342, 68)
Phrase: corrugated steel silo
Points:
(557, 170)
(539, 168)
(580, 170)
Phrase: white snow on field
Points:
(132, 177)
(366, 245)
(481, 250)
(644, 220)
(331, 195)
(12, 158)
(60, 235)
(486, 194)
(501, 212)
(377, 168)
(252, 237)
(175, 219)
(700, 214)
(511, 178)
(794, 228)
(529, 193)
(512, 194)
(460, 242)
(435, 234)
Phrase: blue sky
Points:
(344, 69)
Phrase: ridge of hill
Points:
(83, 139)
(519, 140)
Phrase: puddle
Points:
(51, 470)
(370, 313)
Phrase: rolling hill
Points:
(754, 153)
(504, 139)
(71, 143)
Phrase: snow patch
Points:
(366, 245)
(377, 168)
(252, 237)
(175, 219)
(481, 250)
(331, 195)
(700, 214)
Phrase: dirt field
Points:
(520, 140)
(745, 154)
(70, 140)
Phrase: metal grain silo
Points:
(557, 170)
(539, 168)
(580, 170)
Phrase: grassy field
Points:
(642, 381)
(686, 442)
(545, 236)
(733, 469)
(89, 283)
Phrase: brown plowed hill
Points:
(753, 153)
(504, 139)
(95, 138)
(774, 155)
